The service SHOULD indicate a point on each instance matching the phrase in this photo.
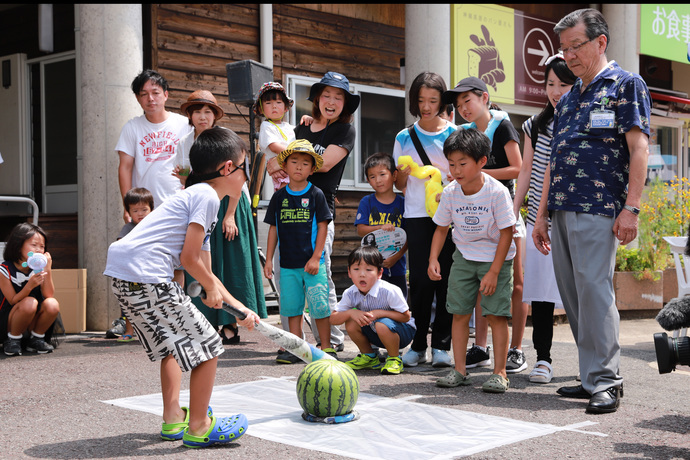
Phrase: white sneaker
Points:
(412, 358)
(440, 358)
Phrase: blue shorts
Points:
(296, 286)
(404, 331)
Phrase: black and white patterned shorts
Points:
(167, 323)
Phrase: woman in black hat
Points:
(333, 137)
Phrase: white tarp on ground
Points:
(388, 428)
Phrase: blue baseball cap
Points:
(336, 80)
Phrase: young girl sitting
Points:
(272, 102)
(26, 298)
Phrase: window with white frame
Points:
(379, 118)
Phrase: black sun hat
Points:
(466, 84)
(336, 80)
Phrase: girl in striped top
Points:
(540, 283)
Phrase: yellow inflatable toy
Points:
(433, 185)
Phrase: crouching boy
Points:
(374, 312)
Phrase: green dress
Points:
(236, 263)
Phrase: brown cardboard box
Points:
(70, 292)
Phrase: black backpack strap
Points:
(418, 146)
(534, 134)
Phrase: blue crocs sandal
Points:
(174, 431)
(223, 429)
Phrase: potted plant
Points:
(639, 280)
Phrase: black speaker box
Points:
(244, 80)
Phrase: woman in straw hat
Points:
(234, 249)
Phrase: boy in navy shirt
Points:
(384, 210)
(299, 215)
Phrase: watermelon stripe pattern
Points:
(327, 388)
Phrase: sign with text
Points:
(505, 48)
(665, 31)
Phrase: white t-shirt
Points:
(154, 148)
(477, 219)
(415, 194)
(151, 251)
(269, 134)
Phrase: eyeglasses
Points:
(244, 165)
(574, 49)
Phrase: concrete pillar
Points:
(624, 32)
(109, 54)
(427, 44)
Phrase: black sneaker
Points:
(286, 357)
(13, 347)
(516, 361)
(117, 330)
(38, 345)
(476, 357)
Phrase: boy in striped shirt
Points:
(374, 312)
(481, 211)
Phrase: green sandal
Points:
(496, 384)
(454, 379)
(175, 431)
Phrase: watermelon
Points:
(327, 388)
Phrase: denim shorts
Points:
(405, 332)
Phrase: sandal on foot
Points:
(453, 379)
(496, 384)
(227, 339)
(175, 431)
(223, 429)
(126, 338)
(540, 375)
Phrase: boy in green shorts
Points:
(480, 209)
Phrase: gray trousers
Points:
(584, 256)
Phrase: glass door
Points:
(54, 132)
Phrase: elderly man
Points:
(592, 191)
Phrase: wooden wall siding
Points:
(309, 42)
(383, 13)
(192, 43)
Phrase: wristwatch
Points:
(632, 209)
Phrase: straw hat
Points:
(203, 97)
(301, 146)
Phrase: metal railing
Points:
(22, 199)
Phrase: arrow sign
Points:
(543, 52)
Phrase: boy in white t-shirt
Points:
(170, 328)
(148, 143)
(272, 103)
(480, 209)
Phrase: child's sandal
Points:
(496, 384)
(175, 431)
(223, 429)
(454, 379)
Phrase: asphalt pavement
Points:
(51, 405)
